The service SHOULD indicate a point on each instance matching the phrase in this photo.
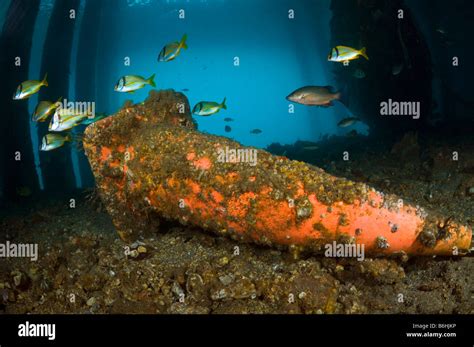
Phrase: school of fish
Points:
(65, 119)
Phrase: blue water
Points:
(39, 36)
(276, 56)
(251, 52)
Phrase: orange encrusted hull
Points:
(151, 164)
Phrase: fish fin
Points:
(363, 52)
(223, 105)
(151, 81)
(58, 102)
(329, 88)
(44, 82)
(183, 44)
(343, 95)
(76, 137)
(76, 141)
(77, 146)
(341, 98)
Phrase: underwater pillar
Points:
(392, 43)
(87, 68)
(151, 164)
(107, 59)
(17, 167)
(57, 165)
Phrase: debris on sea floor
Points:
(151, 164)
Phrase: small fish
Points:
(256, 131)
(228, 119)
(172, 50)
(359, 74)
(28, 88)
(314, 96)
(44, 109)
(347, 122)
(185, 90)
(340, 54)
(377, 15)
(53, 141)
(207, 108)
(406, 56)
(130, 83)
(397, 68)
(448, 43)
(442, 31)
(64, 119)
(97, 118)
(227, 129)
(352, 133)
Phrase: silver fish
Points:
(314, 96)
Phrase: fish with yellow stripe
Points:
(28, 88)
(131, 83)
(65, 119)
(172, 50)
(53, 141)
(341, 54)
(208, 108)
(44, 109)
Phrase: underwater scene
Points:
(236, 156)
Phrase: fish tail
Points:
(151, 80)
(363, 52)
(44, 82)
(223, 105)
(58, 103)
(76, 137)
(341, 97)
(183, 42)
(76, 141)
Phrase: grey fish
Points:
(256, 131)
(352, 133)
(397, 68)
(347, 122)
(314, 96)
(359, 74)
(227, 129)
(228, 119)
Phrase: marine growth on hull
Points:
(236, 157)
